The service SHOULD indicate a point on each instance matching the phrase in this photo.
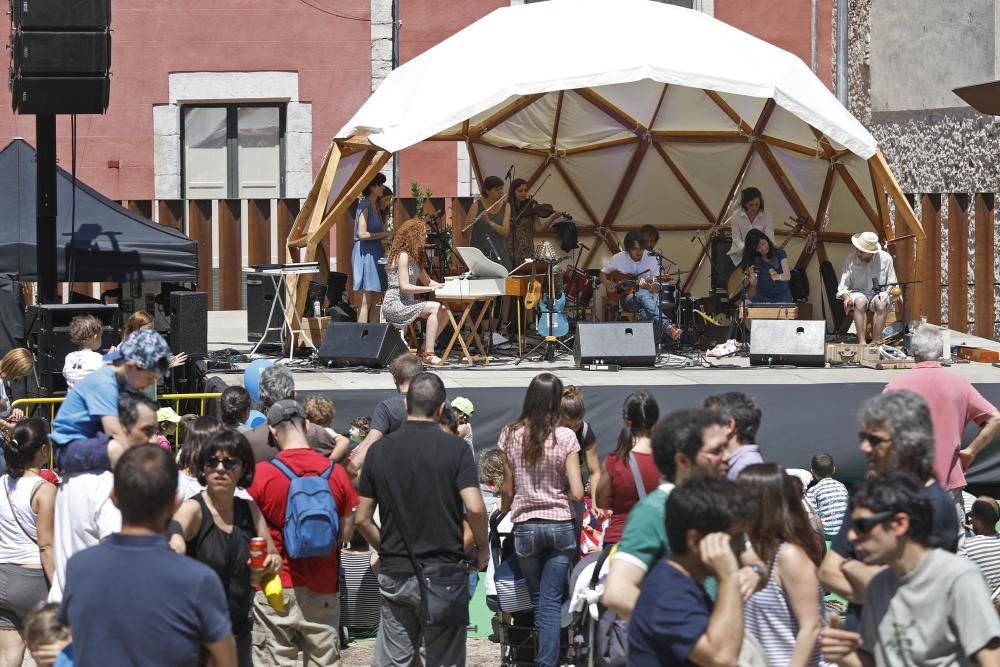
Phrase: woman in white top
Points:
(26, 525)
(750, 216)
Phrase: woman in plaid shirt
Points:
(540, 464)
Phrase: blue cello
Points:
(552, 320)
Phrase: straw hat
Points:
(866, 242)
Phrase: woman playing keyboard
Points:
(406, 277)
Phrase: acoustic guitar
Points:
(748, 277)
(624, 284)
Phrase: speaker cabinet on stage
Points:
(788, 342)
(189, 323)
(355, 344)
(619, 343)
(722, 266)
(48, 338)
(260, 297)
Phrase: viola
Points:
(541, 210)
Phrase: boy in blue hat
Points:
(86, 430)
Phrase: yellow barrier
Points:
(26, 403)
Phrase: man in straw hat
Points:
(865, 281)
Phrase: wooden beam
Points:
(503, 114)
(699, 137)
(685, 183)
(659, 105)
(729, 111)
(859, 196)
(929, 259)
(351, 192)
(808, 151)
(171, 213)
(475, 165)
(230, 255)
(786, 187)
(824, 203)
(881, 205)
(958, 262)
(986, 254)
(601, 145)
(619, 116)
(891, 185)
(315, 202)
(625, 184)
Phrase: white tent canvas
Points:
(627, 113)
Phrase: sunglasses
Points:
(875, 440)
(863, 525)
(229, 463)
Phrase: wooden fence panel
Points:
(230, 255)
(929, 260)
(258, 231)
(958, 262)
(986, 254)
(287, 210)
(200, 231)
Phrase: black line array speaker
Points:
(260, 297)
(189, 323)
(48, 338)
(60, 56)
(356, 344)
(618, 343)
(788, 342)
(722, 266)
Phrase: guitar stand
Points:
(550, 342)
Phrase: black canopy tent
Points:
(111, 243)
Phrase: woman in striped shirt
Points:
(785, 616)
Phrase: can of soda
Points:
(258, 552)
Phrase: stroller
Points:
(508, 597)
(589, 616)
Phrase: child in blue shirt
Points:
(87, 420)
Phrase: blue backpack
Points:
(312, 524)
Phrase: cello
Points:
(552, 320)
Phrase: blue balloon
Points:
(251, 377)
(255, 419)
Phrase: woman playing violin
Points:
(526, 220)
(771, 273)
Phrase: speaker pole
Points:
(45, 207)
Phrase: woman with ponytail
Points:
(540, 464)
(629, 473)
(26, 519)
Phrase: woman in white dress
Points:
(750, 216)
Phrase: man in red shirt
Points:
(953, 403)
(312, 610)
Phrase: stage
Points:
(806, 410)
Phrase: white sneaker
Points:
(499, 339)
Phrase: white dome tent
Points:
(627, 113)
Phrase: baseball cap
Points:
(167, 415)
(284, 410)
(463, 404)
(145, 348)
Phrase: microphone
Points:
(653, 253)
(509, 172)
(585, 247)
(694, 238)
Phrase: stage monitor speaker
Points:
(788, 342)
(63, 53)
(48, 338)
(618, 343)
(355, 344)
(45, 95)
(189, 323)
(260, 298)
(722, 266)
(61, 14)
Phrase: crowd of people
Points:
(227, 551)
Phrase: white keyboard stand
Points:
(280, 282)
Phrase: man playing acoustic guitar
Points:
(630, 277)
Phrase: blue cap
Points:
(145, 348)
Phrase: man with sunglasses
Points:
(896, 435)
(926, 606)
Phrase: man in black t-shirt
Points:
(425, 483)
(896, 436)
(389, 414)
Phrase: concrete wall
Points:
(941, 145)
(330, 54)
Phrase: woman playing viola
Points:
(772, 273)
(525, 221)
(406, 272)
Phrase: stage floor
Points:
(806, 410)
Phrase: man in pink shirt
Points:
(953, 402)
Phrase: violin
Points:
(533, 208)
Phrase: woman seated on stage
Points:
(771, 274)
(524, 222)
(369, 230)
(399, 308)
